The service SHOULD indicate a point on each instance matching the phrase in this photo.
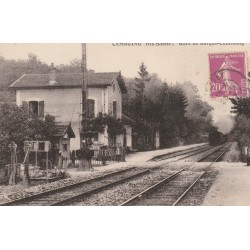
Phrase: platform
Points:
(231, 187)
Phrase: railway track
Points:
(213, 157)
(64, 195)
(195, 150)
(72, 193)
(186, 155)
(171, 190)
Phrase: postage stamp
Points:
(228, 75)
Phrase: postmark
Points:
(228, 74)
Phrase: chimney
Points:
(52, 74)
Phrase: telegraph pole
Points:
(84, 93)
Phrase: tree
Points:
(241, 130)
(172, 104)
(241, 106)
(141, 81)
(18, 125)
(178, 107)
(140, 87)
(98, 124)
(198, 113)
(73, 67)
(11, 70)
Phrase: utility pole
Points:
(84, 93)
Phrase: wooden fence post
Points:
(26, 179)
(12, 179)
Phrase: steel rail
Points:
(201, 159)
(196, 153)
(98, 189)
(150, 189)
(49, 192)
(179, 153)
(169, 178)
(197, 179)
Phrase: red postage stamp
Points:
(228, 75)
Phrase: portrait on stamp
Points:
(227, 75)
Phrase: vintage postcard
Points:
(124, 124)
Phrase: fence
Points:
(5, 173)
(104, 155)
(107, 155)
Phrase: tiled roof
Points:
(61, 130)
(69, 80)
(127, 120)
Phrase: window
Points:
(95, 137)
(90, 108)
(112, 139)
(36, 108)
(41, 146)
(65, 147)
(33, 107)
(115, 109)
(113, 88)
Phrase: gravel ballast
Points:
(119, 194)
(13, 194)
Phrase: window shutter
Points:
(41, 109)
(115, 109)
(90, 108)
(110, 108)
(24, 103)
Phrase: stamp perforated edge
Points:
(224, 98)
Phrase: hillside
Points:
(11, 70)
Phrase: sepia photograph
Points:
(124, 124)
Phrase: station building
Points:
(59, 94)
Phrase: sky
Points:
(172, 62)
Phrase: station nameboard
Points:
(37, 146)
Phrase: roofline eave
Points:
(11, 86)
(59, 87)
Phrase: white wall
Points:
(129, 135)
(157, 139)
(115, 96)
(61, 103)
(65, 105)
